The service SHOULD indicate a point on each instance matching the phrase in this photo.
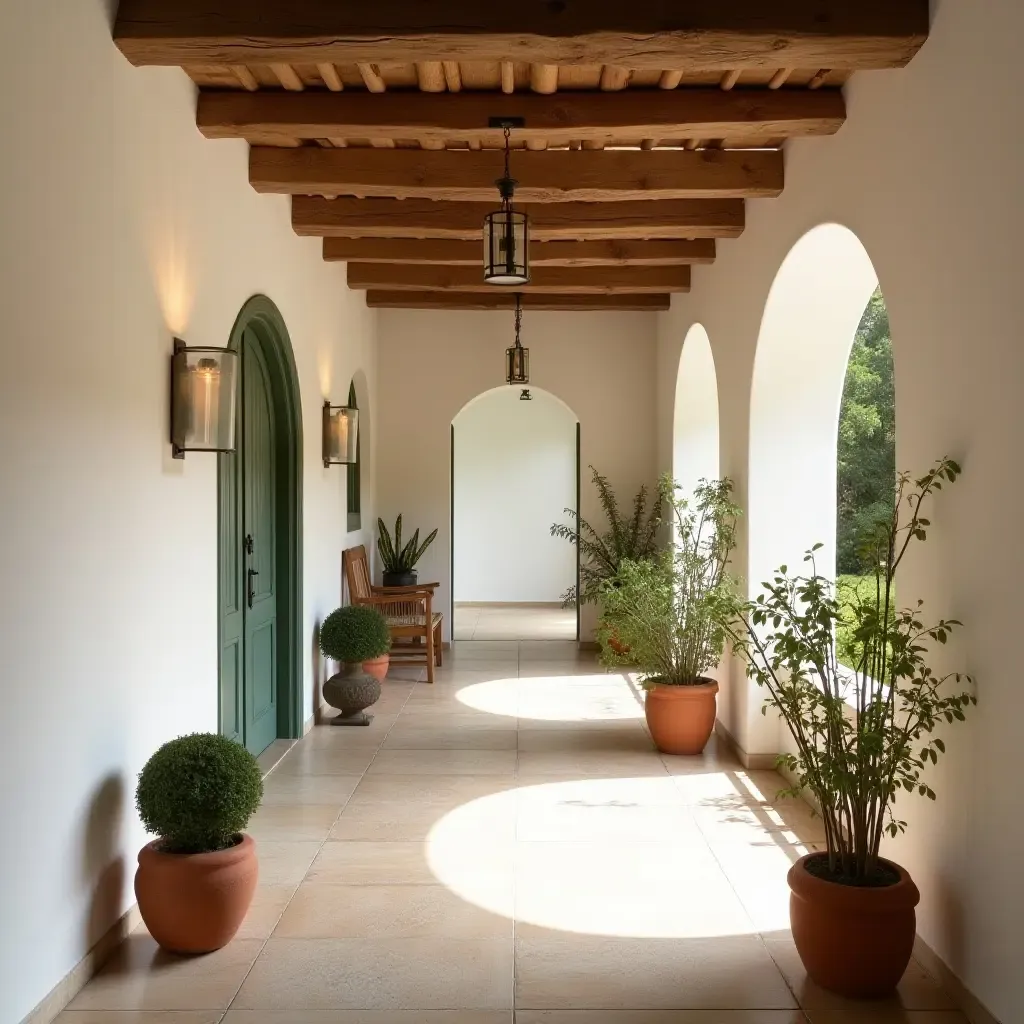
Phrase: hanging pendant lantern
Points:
(506, 233)
(517, 358)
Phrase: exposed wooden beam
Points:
(329, 73)
(425, 218)
(753, 114)
(543, 280)
(544, 78)
(506, 300)
(543, 177)
(508, 76)
(708, 35)
(599, 253)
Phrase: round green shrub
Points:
(354, 633)
(198, 792)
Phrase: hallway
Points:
(507, 837)
(513, 622)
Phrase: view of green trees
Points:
(867, 438)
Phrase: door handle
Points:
(249, 595)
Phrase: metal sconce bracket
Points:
(176, 452)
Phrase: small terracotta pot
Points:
(682, 718)
(855, 941)
(617, 645)
(195, 902)
(377, 667)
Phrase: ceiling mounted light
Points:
(517, 358)
(506, 231)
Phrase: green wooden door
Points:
(248, 564)
(259, 524)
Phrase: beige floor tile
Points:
(445, 737)
(422, 789)
(727, 789)
(273, 754)
(324, 760)
(387, 912)
(917, 991)
(601, 737)
(265, 911)
(284, 863)
(368, 1017)
(866, 1013)
(660, 1017)
(139, 1017)
(421, 973)
(308, 789)
(445, 762)
(140, 976)
(757, 825)
(297, 822)
(572, 764)
(586, 971)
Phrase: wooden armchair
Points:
(414, 626)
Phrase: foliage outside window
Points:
(602, 552)
(355, 517)
(855, 763)
(671, 610)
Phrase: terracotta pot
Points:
(377, 667)
(617, 645)
(681, 718)
(854, 940)
(195, 902)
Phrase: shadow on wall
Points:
(103, 865)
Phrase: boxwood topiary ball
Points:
(198, 792)
(354, 633)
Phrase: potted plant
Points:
(400, 562)
(672, 611)
(861, 736)
(602, 552)
(357, 637)
(195, 882)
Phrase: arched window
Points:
(355, 519)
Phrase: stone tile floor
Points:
(507, 845)
(513, 622)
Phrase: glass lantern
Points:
(341, 435)
(204, 386)
(506, 247)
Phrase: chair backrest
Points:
(357, 573)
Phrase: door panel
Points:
(230, 583)
(259, 549)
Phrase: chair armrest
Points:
(419, 588)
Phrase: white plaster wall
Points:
(601, 365)
(121, 228)
(514, 474)
(942, 223)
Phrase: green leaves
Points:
(393, 556)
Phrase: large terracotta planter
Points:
(855, 941)
(681, 718)
(195, 902)
(377, 667)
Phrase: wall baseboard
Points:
(82, 973)
(972, 1007)
(755, 762)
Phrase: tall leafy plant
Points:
(602, 551)
(672, 610)
(864, 734)
(393, 556)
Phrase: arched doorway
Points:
(695, 455)
(260, 539)
(515, 468)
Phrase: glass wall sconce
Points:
(341, 435)
(204, 387)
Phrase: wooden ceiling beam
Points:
(709, 35)
(507, 300)
(425, 218)
(542, 177)
(543, 280)
(756, 115)
(600, 253)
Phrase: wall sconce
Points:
(204, 385)
(341, 433)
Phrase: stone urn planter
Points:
(854, 940)
(196, 902)
(681, 718)
(351, 691)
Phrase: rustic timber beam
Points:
(543, 280)
(598, 253)
(425, 218)
(543, 177)
(507, 300)
(756, 115)
(701, 35)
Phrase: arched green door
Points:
(260, 685)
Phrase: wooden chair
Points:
(414, 626)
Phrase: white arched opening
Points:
(514, 471)
(810, 320)
(695, 428)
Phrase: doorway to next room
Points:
(515, 470)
